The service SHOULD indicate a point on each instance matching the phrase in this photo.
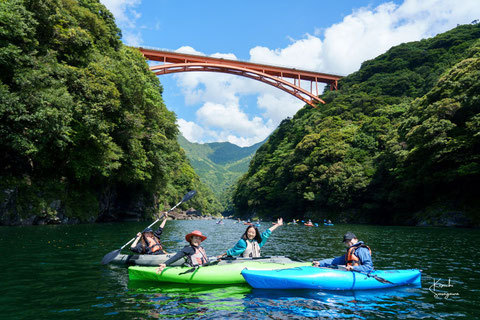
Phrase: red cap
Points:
(195, 233)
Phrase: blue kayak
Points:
(329, 279)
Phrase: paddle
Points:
(111, 255)
(380, 279)
(210, 263)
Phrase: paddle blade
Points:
(110, 256)
(189, 195)
(384, 281)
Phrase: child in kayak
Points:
(251, 241)
(194, 253)
(148, 241)
(357, 258)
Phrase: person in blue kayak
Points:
(251, 241)
(193, 253)
(148, 241)
(357, 258)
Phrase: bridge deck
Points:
(281, 72)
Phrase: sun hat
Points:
(195, 233)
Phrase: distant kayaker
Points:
(251, 241)
(357, 258)
(148, 241)
(194, 253)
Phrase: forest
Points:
(398, 143)
(85, 134)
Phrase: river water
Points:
(54, 272)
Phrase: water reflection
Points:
(181, 300)
(329, 304)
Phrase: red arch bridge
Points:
(174, 62)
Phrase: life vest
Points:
(198, 258)
(351, 258)
(153, 245)
(252, 250)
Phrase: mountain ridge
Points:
(219, 164)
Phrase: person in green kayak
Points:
(251, 241)
(357, 258)
(148, 241)
(193, 253)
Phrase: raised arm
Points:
(276, 225)
(164, 221)
(134, 244)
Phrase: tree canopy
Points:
(82, 118)
(397, 143)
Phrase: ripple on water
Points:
(59, 275)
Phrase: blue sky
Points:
(324, 36)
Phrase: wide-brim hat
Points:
(195, 233)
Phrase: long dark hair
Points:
(143, 240)
(257, 238)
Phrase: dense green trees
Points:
(82, 118)
(398, 143)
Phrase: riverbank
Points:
(58, 218)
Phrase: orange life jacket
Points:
(351, 258)
(198, 258)
(153, 244)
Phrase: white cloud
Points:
(132, 38)
(126, 17)
(278, 106)
(232, 124)
(190, 130)
(216, 122)
(189, 50)
(302, 54)
(338, 49)
(123, 10)
(366, 34)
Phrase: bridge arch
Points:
(281, 84)
(174, 62)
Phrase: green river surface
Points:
(54, 272)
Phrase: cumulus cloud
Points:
(338, 49)
(190, 130)
(232, 124)
(126, 17)
(367, 32)
(277, 107)
(302, 54)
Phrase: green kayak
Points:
(214, 274)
